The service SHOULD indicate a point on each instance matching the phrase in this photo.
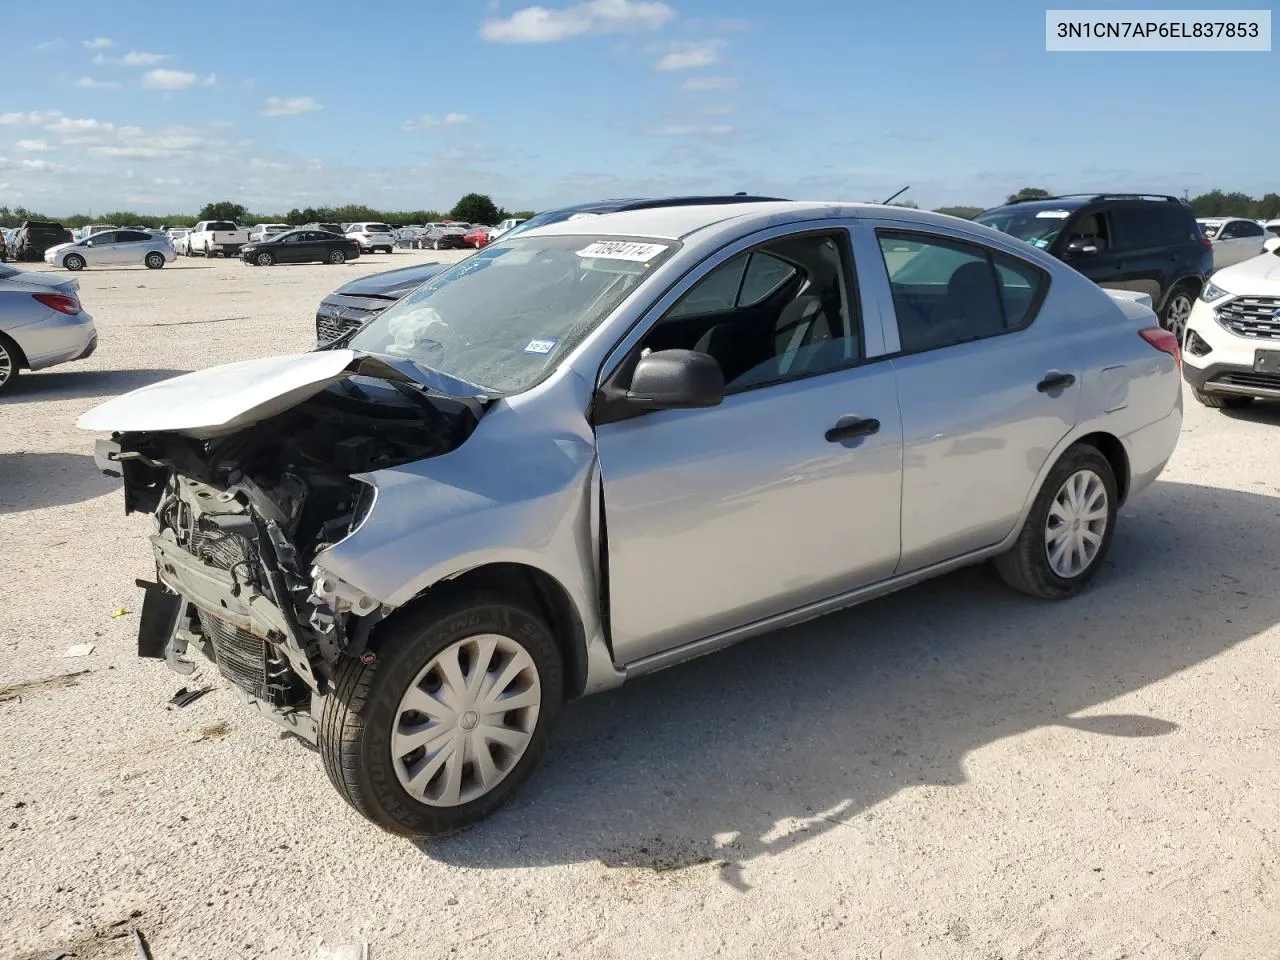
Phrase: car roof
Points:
(678, 222)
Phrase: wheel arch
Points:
(19, 355)
(1111, 447)
(1194, 282)
(525, 583)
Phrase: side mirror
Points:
(676, 380)
(1272, 245)
(1085, 247)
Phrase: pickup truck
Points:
(211, 237)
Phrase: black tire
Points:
(356, 723)
(264, 259)
(1025, 566)
(11, 362)
(435, 244)
(337, 256)
(1177, 310)
(1222, 401)
(73, 261)
(154, 261)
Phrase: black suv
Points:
(352, 306)
(1149, 243)
(35, 237)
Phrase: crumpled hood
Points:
(223, 399)
(1256, 277)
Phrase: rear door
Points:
(131, 246)
(1149, 235)
(782, 495)
(986, 392)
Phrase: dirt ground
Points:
(953, 771)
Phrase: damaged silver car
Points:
(610, 445)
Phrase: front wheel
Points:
(1068, 532)
(264, 259)
(337, 256)
(73, 261)
(435, 244)
(1222, 401)
(154, 261)
(449, 719)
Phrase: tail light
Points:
(1163, 340)
(60, 302)
(1206, 242)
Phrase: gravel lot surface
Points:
(954, 771)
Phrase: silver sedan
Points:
(113, 248)
(41, 323)
(609, 445)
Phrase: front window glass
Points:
(1037, 227)
(503, 318)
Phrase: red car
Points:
(477, 237)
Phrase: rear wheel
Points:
(1177, 310)
(337, 256)
(154, 261)
(449, 719)
(10, 362)
(1068, 532)
(73, 261)
(435, 244)
(1222, 401)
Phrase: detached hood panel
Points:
(222, 399)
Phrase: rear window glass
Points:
(221, 225)
(376, 228)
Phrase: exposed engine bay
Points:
(241, 517)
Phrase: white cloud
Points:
(693, 130)
(541, 25)
(40, 166)
(55, 44)
(700, 84)
(99, 43)
(79, 125)
(88, 83)
(288, 106)
(259, 164)
(210, 80)
(35, 118)
(690, 56)
(168, 79)
(136, 58)
(129, 153)
(429, 122)
(31, 146)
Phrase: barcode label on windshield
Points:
(622, 250)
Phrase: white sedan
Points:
(113, 248)
(1234, 239)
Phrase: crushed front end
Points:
(240, 518)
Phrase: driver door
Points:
(720, 517)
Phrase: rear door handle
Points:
(1055, 380)
(851, 429)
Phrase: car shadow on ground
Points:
(1260, 411)
(33, 481)
(79, 384)
(787, 736)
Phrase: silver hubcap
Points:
(264, 260)
(1179, 311)
(335, 257)
(1077, 523)
(466, 720)
(6, 365)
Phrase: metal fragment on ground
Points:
(186, 697)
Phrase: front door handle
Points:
(851, 429)
(1055, 380)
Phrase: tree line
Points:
(479, 208)
(473, 208)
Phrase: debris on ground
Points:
(14, 691)
(185, 697)
(78, 650)
(347, 951)
(122, 612)
(139, 941)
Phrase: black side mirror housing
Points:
(676, 380)
(1085, 247)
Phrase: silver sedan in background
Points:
(113, 248)
(608, 445)
(41, 323)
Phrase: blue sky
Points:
(161, 107)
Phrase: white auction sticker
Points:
(1054, 214)
(622, 250)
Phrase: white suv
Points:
(1231, 351)
(372, 237)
